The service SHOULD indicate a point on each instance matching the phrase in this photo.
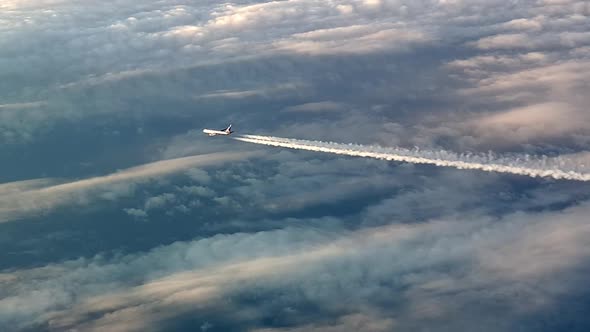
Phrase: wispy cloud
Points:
(29, 198)
(16, 106)
(318, 107)
(259, 92)
(494, 261)
(353, 40)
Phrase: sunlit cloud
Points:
(30, 198)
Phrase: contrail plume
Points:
(556, 168)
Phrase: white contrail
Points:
(557, 168)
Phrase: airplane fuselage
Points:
(224, 132)
(212, 132)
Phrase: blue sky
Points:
(117, 213)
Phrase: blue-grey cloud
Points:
(167, 39)
(476, 264)
(25, 201)
(290, 240)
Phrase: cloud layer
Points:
(469, 267)
(525, 56)
(31, 197)
(292, 240)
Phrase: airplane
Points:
(211, 132)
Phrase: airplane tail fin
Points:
(228, 129)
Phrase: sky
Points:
(118, 214)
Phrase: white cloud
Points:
(547, 120)
(494, 262)
(524, 24)
(358, 322)
(137, 213)
(272, 91)
(353, 39)
(198, 175)
(100, 47)
(25, 201)
(523, 98)
(20, 186)
(558, 78)
(507, 41)
(320, 106)
(159, 201)
(197, 191)
(16, 106)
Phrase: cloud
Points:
(336, 192)
(137, 213)
(510, 41)
(559, 80)
(366, 322)
(216, 53)
(197, 191)
(320, 106)
(535, 23)
(293, 241)
(259, 92)
(16, 106)
(159, 201)
(548, 120)
(529, 98)
(20, 121)
(353, 39)
(183, 200)
(492, 262)
(20, 186)
(519, 41)
(22, 201)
